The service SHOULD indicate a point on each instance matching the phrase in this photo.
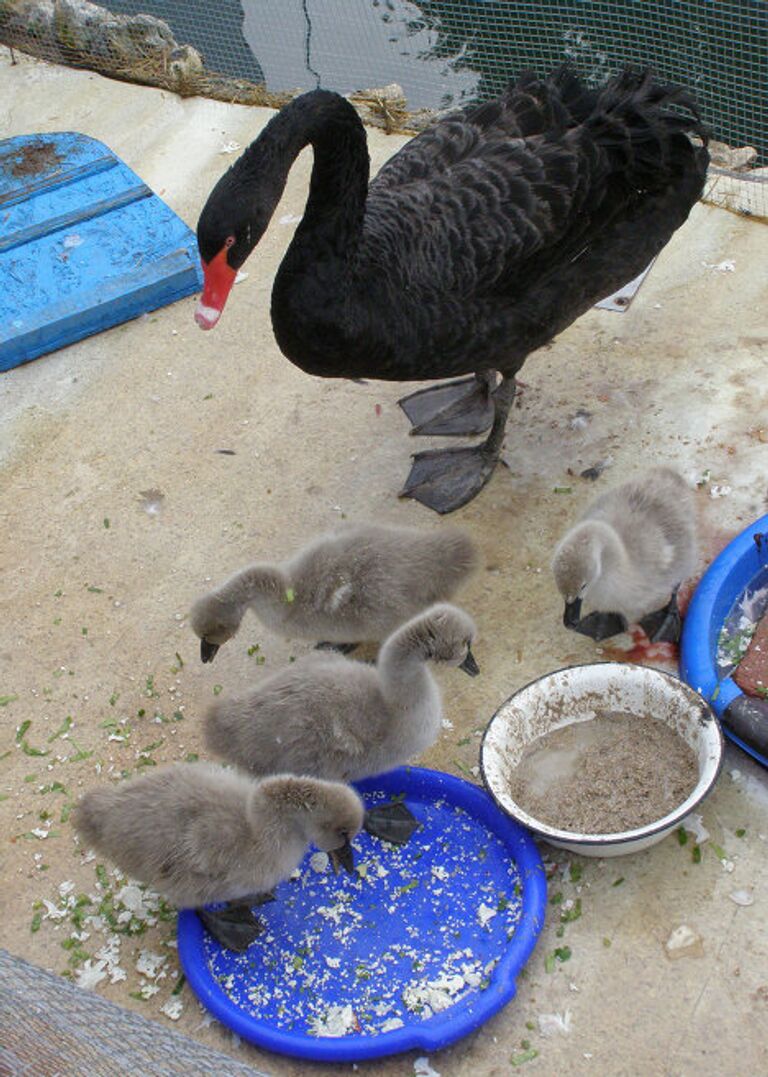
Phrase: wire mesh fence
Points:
(443, 53)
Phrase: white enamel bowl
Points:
(575, 694)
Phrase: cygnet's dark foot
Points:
(446, 479)
(391, 822)
(664, 625)
(340, 648)
(454, 408)
(234, 926)
(597, 625)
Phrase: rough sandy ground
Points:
(97, 577)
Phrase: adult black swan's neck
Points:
(311, 288)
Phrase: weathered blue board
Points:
(84, 245)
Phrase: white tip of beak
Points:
(205, 316)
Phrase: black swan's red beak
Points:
(218, 280)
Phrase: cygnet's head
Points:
(214, 622)
(329, 814)
(446, 634)
(577, 565)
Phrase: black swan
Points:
(479, 241)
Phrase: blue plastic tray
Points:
(742, 564)
(465, 898)
(84, 244)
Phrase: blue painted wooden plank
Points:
(84, 244)
(80, 213)
(124, 297)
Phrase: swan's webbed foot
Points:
(234, 926)
(597, 625)
(340, 648)
(391, 822)
(446, 479)
(664, 625)
(454, 408)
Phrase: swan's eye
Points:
(229, 242)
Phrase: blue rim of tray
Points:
(744, 719)
(441, 1029)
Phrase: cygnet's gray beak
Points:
(208, 650)
(343, 857)
(572, 614)
(469, 665)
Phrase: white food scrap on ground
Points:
(422, 1068)
(741, 897)
(551, 1023)
(694, 824)
(684, 942)
(173, 1008)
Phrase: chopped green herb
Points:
(682, 835)
(740, 832)
(607, 943)
(150, 685)
(462, 742)
(549, 963)
(58, 594)
(106, 522)
(556, 898)
(95, 590)
(191, 757)
(290, 595)
(696, 854)
(27, 749)
(80, 753)
(5, 700)
(562, 489)
(407, 886)
(719, 852)
(563, 953)
(502, 903)
(575, 871)
(54, 787)
(179, 659)
(37, 920)
(460, 766)
(65, 726)
(84, 630)
(618, 882)
(560, 931)
(155, 744)
(218, 689)
(530, 1026)
(524, 1056)
(114, 698)
(102, 877)
(22, 729)
(179, 985)
(568, 915)
(66, 811)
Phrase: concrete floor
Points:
(89, 430)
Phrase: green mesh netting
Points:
(441, 52)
